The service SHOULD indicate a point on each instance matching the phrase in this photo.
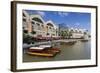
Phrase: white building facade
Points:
(35, 23)
(78, 33)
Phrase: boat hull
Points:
(46, 52)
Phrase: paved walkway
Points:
(49, 42)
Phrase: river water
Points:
(78, 51)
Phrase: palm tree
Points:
(63, 30)
(64, 33)
(69, 34)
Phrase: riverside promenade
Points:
(53, 41)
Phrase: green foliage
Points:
(70, 34)
(25, 31)
(66, 34)
(27, 39)
(33, 32)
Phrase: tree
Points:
(27, 38)
(64, 33)
(69, 34)
(63, 30)
(25, 31)
(33, 32)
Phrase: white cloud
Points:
(63, 14)
(41, 13)
(77, 24)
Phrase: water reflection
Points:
(76, 51)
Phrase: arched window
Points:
(38, 24)
(42, 26)
(49, 24)
(24, 19)
(32, 22)
(37, 19)
(47, 27)
(39, 27)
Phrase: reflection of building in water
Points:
(35, 24)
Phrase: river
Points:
(78, 51)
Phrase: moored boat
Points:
(84, 40)
(68, 42)
(43, 50)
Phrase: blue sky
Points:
(70, 19)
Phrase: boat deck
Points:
(46, 52)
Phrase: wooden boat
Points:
(45, 46)
(41, 54)
(84, 40)
(71, 43)
(68, 43)
(56, 50)
(43, 51)
(36, 48)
